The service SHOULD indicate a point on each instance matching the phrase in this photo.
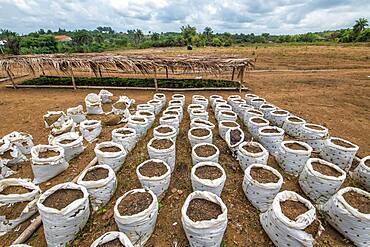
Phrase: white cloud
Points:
(258, 16)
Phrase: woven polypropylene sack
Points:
(61, 226)
(278, 226)
(215, 185)
(339, 155)
(206, 233)
(21, 140)
(113, 159)
(317, 186)
(293, 128)
(57, 122)
(271, 141)
(233, 146)
(139, 124)
(16, 155)
(157, 184)
(201, 101)
(100, 191)
(105, 96)
(127, 140)
(247, 158)
(93, 104)
(254, 123)
(8, 200)
(111, 236)
(361, 174)
(158, 105)
(226, 116)
(278, 117)
(146, 107)
(196, 158)
(138, 227)
(257, 102)
(73, 148)
(314, 135)
(195, 106)
(167, 155)
(90, 129)
(353, 224)
(259, 194)
(197, 122)
(223, 128)
(199, 139)
(170, 120)
(76, 113)
(172, 134)
(196, 113)
(248, 97)
(250, 113)
(46, 168)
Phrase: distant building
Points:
(62, 38)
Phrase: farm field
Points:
(337, 97)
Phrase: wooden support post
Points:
(11, 78)
(241, 79)
(166, 72)
(73, 79)
(155, 79)
(233, 75)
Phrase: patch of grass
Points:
(131, 82)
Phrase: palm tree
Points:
(360, 25)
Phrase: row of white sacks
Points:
(320, 188)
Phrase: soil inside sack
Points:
(201, 209)
(292, 209)
(96, 174)
(208, 172)
(200, 122)
(200, 132)
(295, 120)
(367, 163)
(135, 203)
(6, 155)
(270, 131)
(112, 149)
(120, 105)
(295, 146)
(124, 132)
(230, 124)
(53, 118)
(314, 127)
(62, 198)
(205, 150)
(161, 144)
(48, 154)
(342, 143)
(114, 243)
(13, 211)
(258, 120)
(235, 136)
(169, 118)
(107, 120)
(140, 120)
(358, 201)
(325, 170)
(153, 169)
(14, 189)
(172, 113)
(66, 141)
(164, 130)
(263, 175)
(280, 112)
(253, 111)
(252, 149)
(145, 113)
(228, 113)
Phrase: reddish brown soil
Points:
(314, 127)
(263, 175)
(200, 209)
(48, 154)
(162, 144)
(6, 155)
(153, 169)
(143, 113)
(164, 130)
(16, 189)
(358, 201)
(258, 100)
(367, 162)
(112, 149)
(135, 203)
(172, 113)
(294, 119)
(202, 122)
(228, 113)
(140, 120)
(342, 143)
(208, 172)
(277, 112)
(252, 148)
(96, 174)
(258, 120)
(120, 105)
(295, 146)
(235, 136)
(113, 243)
(205, 150)
(229, 124)
(270, 130)
(106, 120)
(267, 107)
(62, 198)
(66, 141)
(200, 132)
(12, 212)
(324, 169)
(254, 111)
(125, 132)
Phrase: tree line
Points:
(105, 38)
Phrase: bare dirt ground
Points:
(340, 100)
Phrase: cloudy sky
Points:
(258, 16)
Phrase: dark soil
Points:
(324, 169)
(200, 209)
(140, 120)
(200, 132)
(125, 132)
(267, 107)
(62, 198)
(162, 144)
(208, 172)
(292, 209)
(53, 118)
(6, 155)
(48, 153)
(295, 120)
(252, 149)
(358, 201)
(120, 105)
(176, 102)
(164, 130)
(367, 162)
(270, 130)
(235, 136)
(169, 118)
(154, 101)
(201, 122)
(172, 113)
(96, 174)
(258, 120)
(342, 143)
(198, 111)
(254, 111)
(143, 113)
(258, 100)
(66, 141)
(112, 149)
(107, 120)
(195, 107)
(228, 113)
(14, 189)
(153, 169)
(113, 243)
(229, 124)
(205, 150)
(314, 127)
(263, 175)
(13, 211)
(135, 203)
(295, 146)
(280, 112)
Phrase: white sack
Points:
(21, 140)
(213, 158)
(105, 96)
(251, 113)
(314, 137)
(213, 97)
(195, 106)
(148, 115)
(253, 126)
(271, 141)
(362, 173)
(234, 146)
(171, 121)
(222, 129)
(257, 102)
(222, 107)
(226, 116)
(146, 107)
(111, 236)
(248, 97)
(56, 123)
(196, 139)
(199, 184)
(167, 155)
(72, 149)
(172, 134)
(139, 124)
(246, 158)
(113, 159)
(128, 141)
(93, 104)
(196, 122)
(180, 97)
(201, 114)
(278, 117)
(293, 128)
(90, 129)
(157, 104)
(77, 114)
(15, 153)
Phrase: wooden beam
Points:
(73, 79)
(155, 79)
(166, 72)
(11, 78)
(233, 75)
(241, 78)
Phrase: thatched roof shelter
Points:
(137, 64)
